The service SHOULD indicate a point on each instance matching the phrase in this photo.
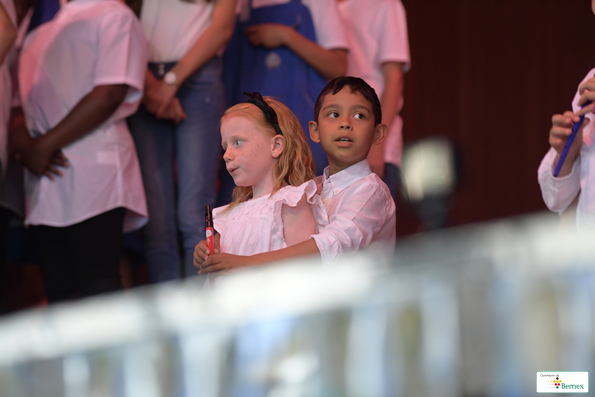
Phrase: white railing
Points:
(468, 311)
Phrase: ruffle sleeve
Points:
(219, 219)
(291, 196)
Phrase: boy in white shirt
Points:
(359, 205)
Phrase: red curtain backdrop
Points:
(489, 74)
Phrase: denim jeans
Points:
(193, 148)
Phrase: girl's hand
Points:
(158, 96)
(201, 251)
(173, 112)
(223, 262)
(269, 35)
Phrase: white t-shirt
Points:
(558, 193)
(361, 213)
(330, 32)
(88, 43)
(256, 225)
(173, 26)
(5, 93)
(377, 33)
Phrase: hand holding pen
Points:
(566, 137)
(566, 134)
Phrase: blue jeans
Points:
(194, 146)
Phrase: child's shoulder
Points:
(291, 195)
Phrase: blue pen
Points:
(575, 128)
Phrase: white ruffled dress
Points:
(256, 226)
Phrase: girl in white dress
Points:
(275, 204)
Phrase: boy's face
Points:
(346, 129)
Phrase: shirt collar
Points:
(343, 179)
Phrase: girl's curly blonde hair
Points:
(295, 165)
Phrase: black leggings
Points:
(82, 259)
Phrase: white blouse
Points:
(256, 226)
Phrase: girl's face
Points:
(250, 154)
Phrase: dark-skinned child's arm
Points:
(89, 113)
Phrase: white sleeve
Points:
(122, 53)
(354, 225)
(393, 41)
(220, 219)
(558, 193)
(330, 32)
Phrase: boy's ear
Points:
(277, 145)
(313, 127)
(380, 134)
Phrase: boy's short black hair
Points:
(357, 85)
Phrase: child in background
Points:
(575, 177)
(379, 54)
(287, 49)
(176, 128)
(359, 205)
(275, 204)
(80, 75)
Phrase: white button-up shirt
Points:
(361, 212)
(88, 43)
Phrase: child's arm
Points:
(352, 227)
(559, 133)
(298, 222)
(173, 111)
(329, 63)
(221, 262)
(89, 113)
(298, 226)
(391, 98)
(8, 33)
(160, 94)
(559, 192)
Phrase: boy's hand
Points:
(559, 133)
(269, 35)
(223, 262)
